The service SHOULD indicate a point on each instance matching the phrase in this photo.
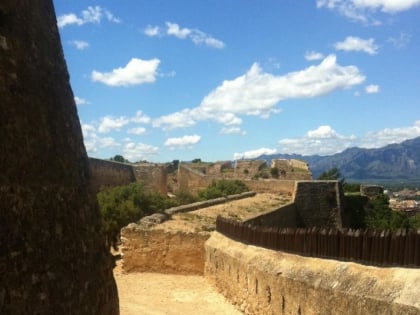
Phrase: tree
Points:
(119, 158)
(332, 174)
(274, 172)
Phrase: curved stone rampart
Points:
(262, 281)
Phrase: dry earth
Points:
(158, 294)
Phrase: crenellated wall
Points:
(261, 281)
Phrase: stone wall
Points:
(315, 203)
(53, 258)
(262, 281)
(105, 174)
(318, 203)
(162, 251)
(152, 176)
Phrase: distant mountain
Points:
(393, 162)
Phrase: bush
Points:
(222, 188)
(122, 205)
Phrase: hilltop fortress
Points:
(192, 177)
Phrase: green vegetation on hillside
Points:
(122, 205)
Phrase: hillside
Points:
(393, 162)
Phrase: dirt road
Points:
(161, 294)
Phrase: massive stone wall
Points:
(315, 203)
(153, 176)
(53, 258)
(262, 281)
(105, 174)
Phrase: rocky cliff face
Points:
(53, 259)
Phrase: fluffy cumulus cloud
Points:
(139, 151)
(136, 72)
(376, 139)
(140, 118)
(91, 15)
(372, 89)
(362, 10)
(313, 55)
(109, 123)
(323, 141)
(80, 44)
(257, 93)
(253, 153)
(352, 43)
(196, 36)
(182, 142)
(326, 141)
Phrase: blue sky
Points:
(223, 80)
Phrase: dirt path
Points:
(161, 294)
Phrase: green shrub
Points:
(122, 205)
(222, 188)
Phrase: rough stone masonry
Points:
(53, 258)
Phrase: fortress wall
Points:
(315, 203)
(192, 181)
(271, 186)
(163, 251)
(152, 176)
(318, 203)
(285, 216)
(109, 174)
(53, 257)
(262, 281)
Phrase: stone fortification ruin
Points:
(53, 258)
(193, 177)
(106, 174)
(263, 281)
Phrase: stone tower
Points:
(53, 258)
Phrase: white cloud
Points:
(109, 123)
(313, 55)
(139, 151)
(232, 130)
(141, 118)
(136, 72)
(322, 141)
(137, 131)
(80, 44)
(372, 89)
(387, 6)
(80, 101)
(152, 31)
(352, 43)
(363, 10)
(196, 36)
(182, 119)
(90, 15)
(401, 41)
(182, 142)
(175, 30)
(376, 139)
(326, 141)
(322, 132)
(256, 93)
(253, 153)
(107, 142)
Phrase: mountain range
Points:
(394, 162)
